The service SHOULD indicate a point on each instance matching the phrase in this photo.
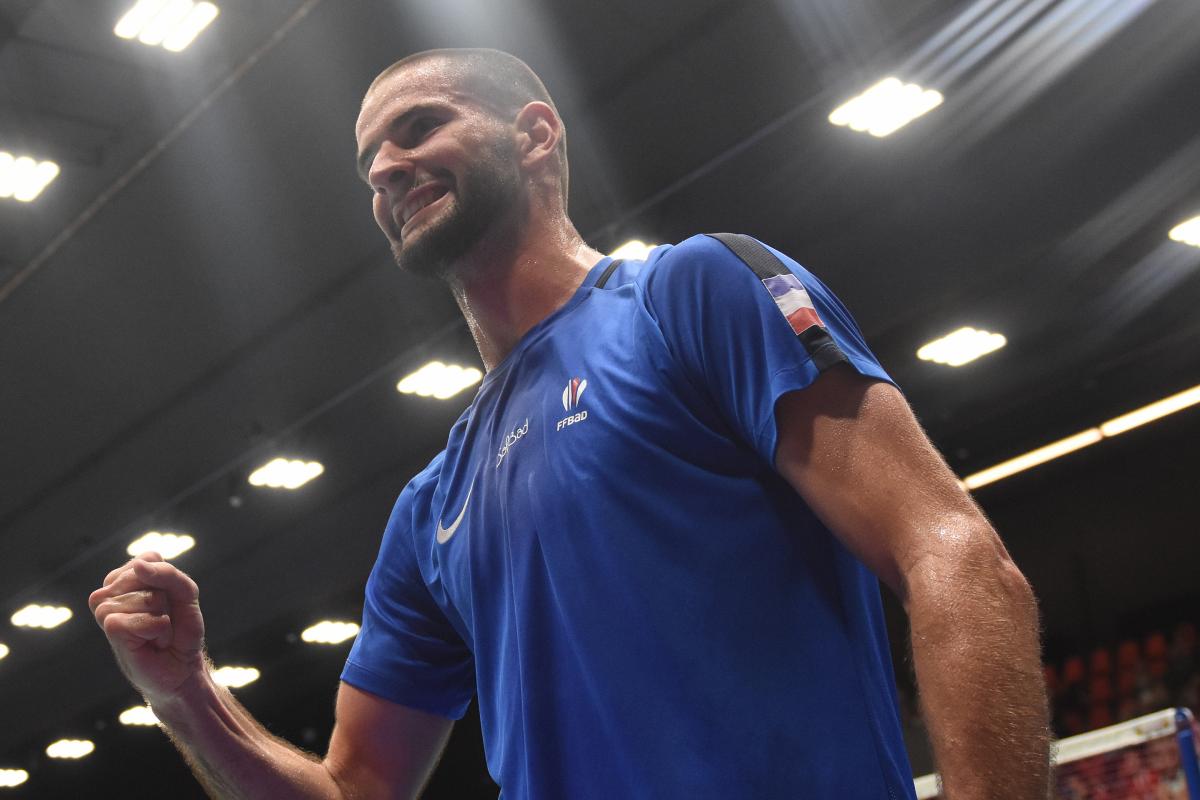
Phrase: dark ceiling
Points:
(203, 288)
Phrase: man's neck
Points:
(515, 285)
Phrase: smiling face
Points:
(443, 169)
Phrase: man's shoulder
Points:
(704, 269)
(698, 249)
(667, 266)
(419, 486)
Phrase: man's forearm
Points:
(232, 755)
(977, 656)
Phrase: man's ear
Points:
(538, 132)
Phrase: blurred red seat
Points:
(1128, 654)
(1100, 689)
(1156, 647)
(1101, 662)
(1072, 671)
(1099, 717)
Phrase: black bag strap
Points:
(753, 254)
(765, 264)
(608, 271)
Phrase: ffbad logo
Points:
(573, 392)
(570, 400)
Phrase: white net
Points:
(1136, 760)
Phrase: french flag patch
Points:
(793, 301)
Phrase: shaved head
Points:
(502, 83)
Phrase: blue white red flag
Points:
(793, 301)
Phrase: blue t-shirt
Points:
(605, 554)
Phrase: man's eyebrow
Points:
(367, 156)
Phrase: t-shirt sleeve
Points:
(746, 336)
(407, 651)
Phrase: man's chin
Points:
(418, 256)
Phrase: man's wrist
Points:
(196, 693)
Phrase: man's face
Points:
(443, 171)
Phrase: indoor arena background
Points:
(200, 288)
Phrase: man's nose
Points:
(390, 171)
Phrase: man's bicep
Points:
(852, 448)
(381, 749)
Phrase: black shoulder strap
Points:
(752, 253)
(608, 271)
(763, 263)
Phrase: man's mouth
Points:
(418, 200)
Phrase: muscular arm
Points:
(852, 448)
(150, 612)
(378, 749)
(231, 754)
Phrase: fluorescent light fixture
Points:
(235, 677)
(1033, 458)
(23, 178)
(138, 17)
(170, 23)
(1157, 410)
(70, 748)
(439, 380)
(1118, 425)
(35, 616)
(1187, 232)
(960, 347)
(3, 650)
(281, 473)
(167, 545)
(329, 631)
(197, 20)
(138, 715)
(886, 107)
(12, 777)
(634, 249)
(165, 21)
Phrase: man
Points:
(644, 545)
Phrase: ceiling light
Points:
(138, 715)
(634, 249)
(35, 616)
(12, 777)
(3, 650)
(171, 23)
(329, 632)
(199, 18)
(961, 346)
(439, 380)
(1157, 410)
(235, 677)
(24, 178)
(1033, 458)
(281, 473)
(70, 748)
(167, 545)
(1187, 232)
(1168, 405)
(886, 107)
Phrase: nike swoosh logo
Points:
(444, 534)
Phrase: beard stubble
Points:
(488, 191)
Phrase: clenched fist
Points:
(150, 612)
